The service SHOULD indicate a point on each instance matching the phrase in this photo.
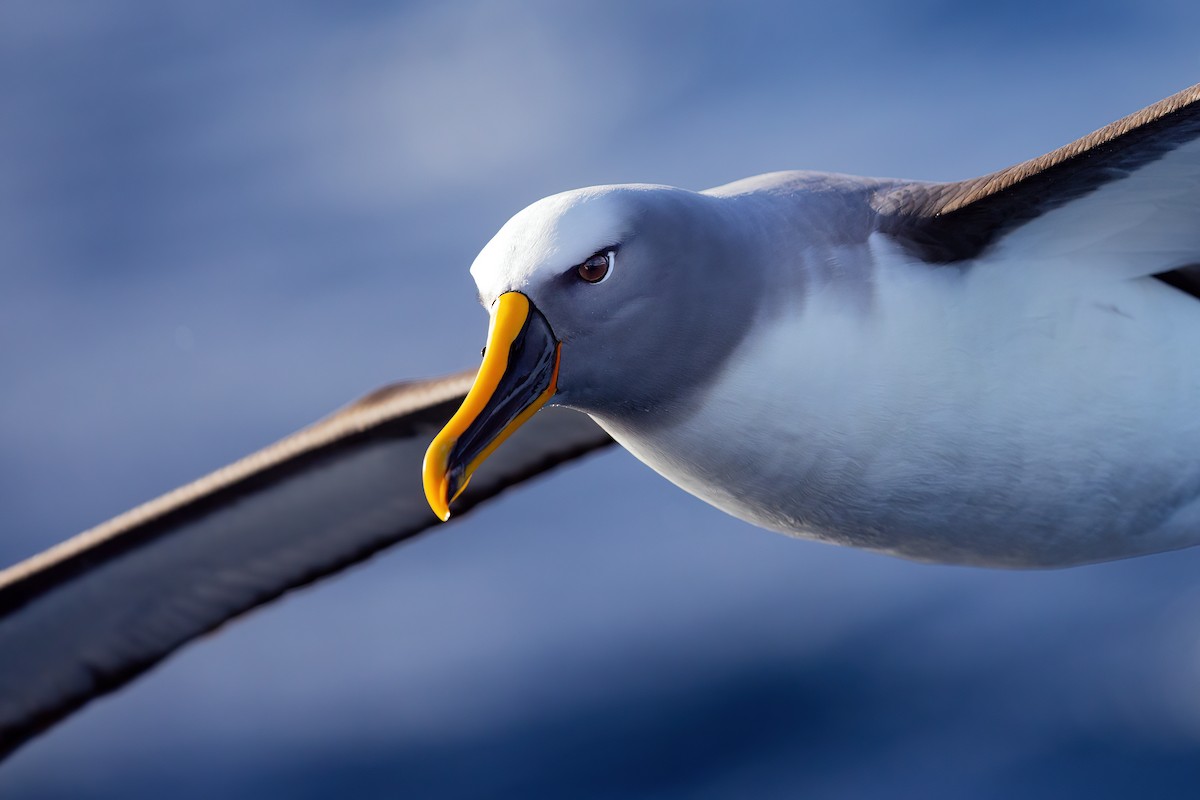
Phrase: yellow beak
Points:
(518, 375)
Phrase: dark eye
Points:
(596, 268)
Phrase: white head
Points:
(635, 321)
(565, 228)
(621, 301)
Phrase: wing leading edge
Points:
(1126, 195)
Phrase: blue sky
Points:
(218, 223)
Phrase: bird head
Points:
(601, 299)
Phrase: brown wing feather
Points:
(91, 614)
(943, 223)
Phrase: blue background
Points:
(219, 220)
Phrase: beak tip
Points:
(441, 508)
(436, 481)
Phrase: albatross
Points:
(999, 371)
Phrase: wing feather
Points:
(89, 615)
(1127, 195)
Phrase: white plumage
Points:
(989, 416)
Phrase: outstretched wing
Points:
(96, 611)
(1125, 198)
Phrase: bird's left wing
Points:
(87, 616)
(1124, 199)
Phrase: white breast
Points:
(969, 416)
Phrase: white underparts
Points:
(979, 415)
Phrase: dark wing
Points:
(1127, 195)
(85, 617)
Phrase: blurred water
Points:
(218, 222)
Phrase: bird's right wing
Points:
(85, 617)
